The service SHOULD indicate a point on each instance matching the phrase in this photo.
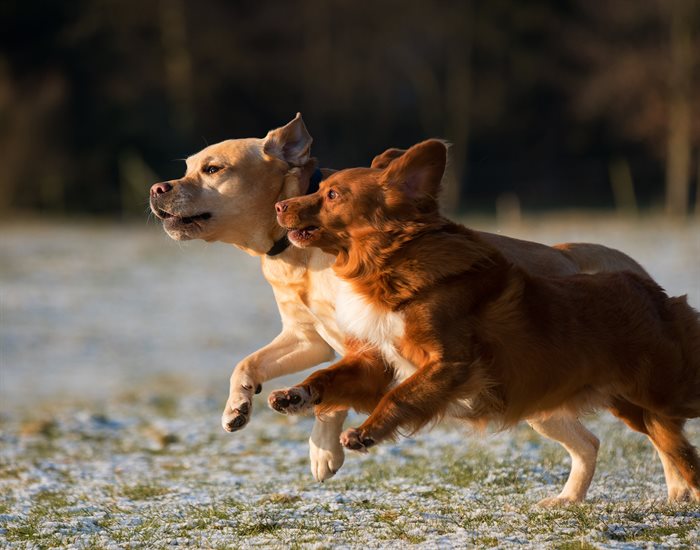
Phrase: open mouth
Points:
(181, 220)
(304, 235)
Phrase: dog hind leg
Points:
(633, 416)
(581, 445)
(667, 435)
(678, 489)
(325, 451)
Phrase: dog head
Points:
(229, 188)
(359, 201)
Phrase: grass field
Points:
(115, 349)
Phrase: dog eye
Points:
(332, 194)
(211, 169)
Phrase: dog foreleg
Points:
(672, 445)
(581, 445)
(358, 381)
(291, 351)
(418, 400)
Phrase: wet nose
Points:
(281, 207)
(160, 188)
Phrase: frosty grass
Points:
(116, 347)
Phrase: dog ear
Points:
(418, 172)
(290, 143)
(384, 159)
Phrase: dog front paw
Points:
(239, 408)
(292, 400)
(356, 440)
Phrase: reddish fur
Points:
(477, 327)
(359, 379)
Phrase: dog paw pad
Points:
(237, 423)
(236, 417)
(354, 440)
(290, 401)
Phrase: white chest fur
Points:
(362, 320)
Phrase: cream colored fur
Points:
(241, 196)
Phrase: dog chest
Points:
(305, 291)
(362, 320)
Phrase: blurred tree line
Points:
(555, 103)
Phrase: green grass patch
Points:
(143, 491)
(257, 528)
(574, 545)
(658, 533)
(11, 471)
(24, 531)
(278, 498)
(485, 542)
(52, 500)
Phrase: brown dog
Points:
(438, 310)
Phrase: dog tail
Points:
(596, 258)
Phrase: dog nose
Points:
(281, 207)
(160, 188)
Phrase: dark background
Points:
(548, 103)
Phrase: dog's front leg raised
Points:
(422, 397)
(358, 381)
(292, 351)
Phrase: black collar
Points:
(281, 244)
